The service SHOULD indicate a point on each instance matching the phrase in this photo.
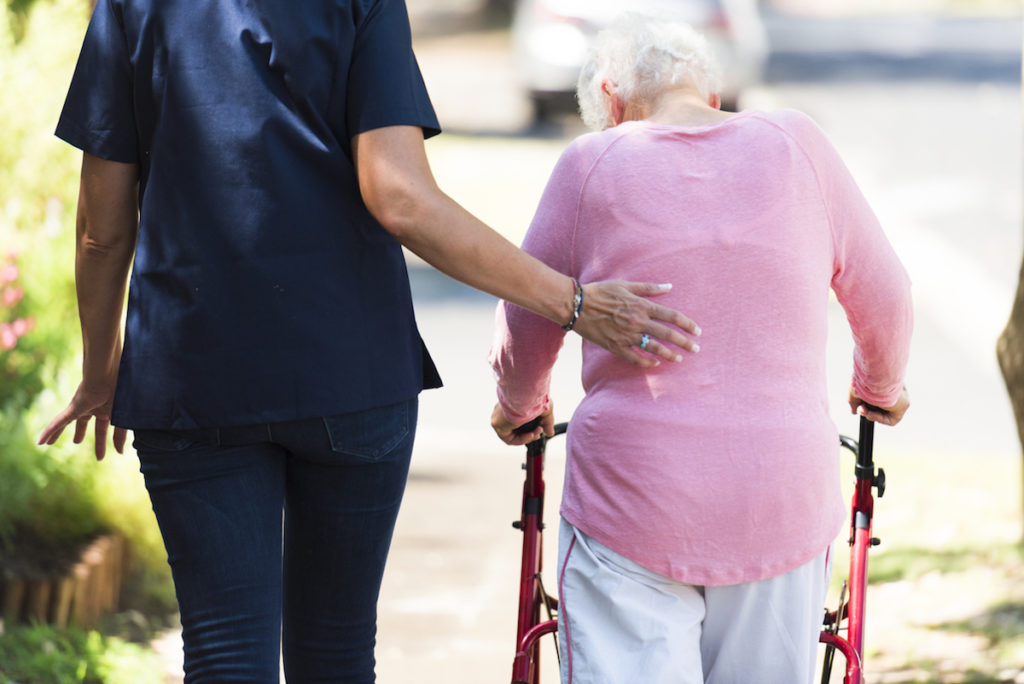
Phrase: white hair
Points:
(642, 56)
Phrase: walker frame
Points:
(848, 617)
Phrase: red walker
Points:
(532, 625)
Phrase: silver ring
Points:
(644, 340)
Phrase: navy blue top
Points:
(263, 290)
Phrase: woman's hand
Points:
(617, 316)
(887, 415)
(88, 402)
(510, 434)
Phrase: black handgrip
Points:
(536, 447)
(872, 407)
(527, 427)
(560, 428)
(865, 442)
(867, 435)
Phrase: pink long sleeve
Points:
(722, 468)
(522, 362)
(869, 281)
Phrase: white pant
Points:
(620, 623)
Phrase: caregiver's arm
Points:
(106, 228)
(400, 191)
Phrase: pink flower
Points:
(7, 336)
(12, 295)
(8, 274)
(22, 326)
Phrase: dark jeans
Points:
(219, 496)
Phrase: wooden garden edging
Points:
(89, 590)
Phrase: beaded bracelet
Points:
(577, 305)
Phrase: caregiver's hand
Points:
(88, 402)
(617, 316)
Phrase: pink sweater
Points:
(723, 468)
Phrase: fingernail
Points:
(665, 287)
(679, 357)
(696, 348)
(696, 330)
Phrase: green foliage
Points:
(54, 498)
(47, 510)
(46, 499)
(42, 654)
(19, 381)
(17, 15)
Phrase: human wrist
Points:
(576, 305)
(99, 379)
(101, 361)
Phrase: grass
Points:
(913, 563)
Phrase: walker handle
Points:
(560, 428)
(527, 427)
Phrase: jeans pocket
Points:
(164, 440)
(369, 435)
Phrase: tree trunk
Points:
(1010, 352)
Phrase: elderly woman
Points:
(701, 498)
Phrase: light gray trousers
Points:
(620, 623)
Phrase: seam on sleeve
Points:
(817, 180)
(579, 200)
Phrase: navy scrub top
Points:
(262, 289)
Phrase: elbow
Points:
(399, 207)
(398, 217)
(99, 247)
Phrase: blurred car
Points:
(551, 39)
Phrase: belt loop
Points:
(216, 436)
(270, 435)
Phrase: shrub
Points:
(54, 498)
(45, 509)
(41, 654)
